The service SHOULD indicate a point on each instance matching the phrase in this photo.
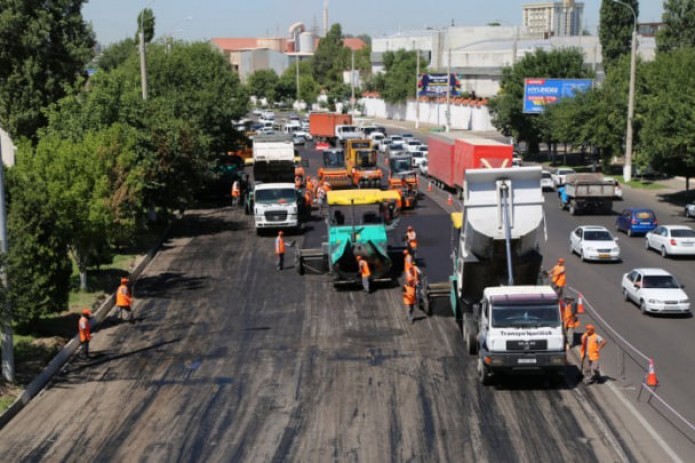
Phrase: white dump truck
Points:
(508, 321)
(274, 201)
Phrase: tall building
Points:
(554, 19)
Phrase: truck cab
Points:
(361, 163)
(343, 133)
(403, 178)
(276, 206)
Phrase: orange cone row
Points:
(651, 379)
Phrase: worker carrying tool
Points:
(590, 352)
(410, 239)
(85, 331)
(558, 277)
(570, 321)
(409, 299)
(124, 301)
(365, 272)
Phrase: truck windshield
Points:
(547, 316)
(365, 159)
(333, 159)
(280, 195)
(400, 165)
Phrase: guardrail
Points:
(625, 349)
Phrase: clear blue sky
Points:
(204, 19)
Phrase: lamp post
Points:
(627, 169)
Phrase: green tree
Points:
(116, 54)
(308, 88)
(146, 22)
(399, 76)
(331, 58)
(679, 22)
(287, 84)
(506, 108)
(615, 30)
(263, 84)
(44, 46)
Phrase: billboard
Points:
(538, 93)
(434, 85)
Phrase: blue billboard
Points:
(539, 93)
(435, 85)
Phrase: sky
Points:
(204, 19)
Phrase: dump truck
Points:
(358, 224)
(360, 160)
(322, 126)
(403, 178)
(334, 170)
(452, 154)
(587, 192)
(509, 321)
(273, 199)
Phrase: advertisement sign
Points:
(539, 93)
(434, 85)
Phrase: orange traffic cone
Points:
(652, 381)
(450, 200)
(580, 304)
(429, 187)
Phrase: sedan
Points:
(671, 240)
(423, 168)
(690, 210)
(594, 242)
(559, 176)
(547, 181)
(412, 145)
(636, 220)
(298, 139)
(655, 291)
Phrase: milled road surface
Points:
(231, 360)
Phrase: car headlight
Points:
(589, 248)
(684, 301)
(616, 249)
(653, 301)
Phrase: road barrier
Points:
(649, 381)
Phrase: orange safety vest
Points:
(569, 318)
(407, 263)
(236, 192)
(590, 344)
(279, 245)
(558, 274)
(307, 197)
(83, 326)
(298, 182)
(364, 269)
(412, 241)
(409, 295)
(123, 298)
(413, 274)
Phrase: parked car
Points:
(671, 240)
(560, 174)
(547, 181)
(655, 290)
(618, 189)
(636, 220)
(594, 242)
(423, 167)
(690, 210)
(418, 157)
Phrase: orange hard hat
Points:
(87, 312)
(124, 280)
(590, 327)
(561, 260)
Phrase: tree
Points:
(263, 84)
(331, 58)
(678, 30)
(506, 108)
(116, 54)
(615, 30)
(399, 77)
(44, 47)
(287, 84)
(146, 23)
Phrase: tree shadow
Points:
(678, 198)
(168, 284)
(31, 357)
(204, 225)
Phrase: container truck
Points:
(322, 126)
(452, 154)
(586, 192)
(509, 321)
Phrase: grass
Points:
(640, 184)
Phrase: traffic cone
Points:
(580, 304)
(429, 187)
(450, 200)
(652, 381)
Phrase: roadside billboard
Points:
(435, 85)
(539, 93)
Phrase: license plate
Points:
(603, 256)
(526, 361)
(686, 243)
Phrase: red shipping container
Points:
(440, 159)
(322, 125)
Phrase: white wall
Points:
(7, 148)
(462, 117)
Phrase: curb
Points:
(54, 366)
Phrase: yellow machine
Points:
(361, 163)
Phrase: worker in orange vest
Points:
(124, 301)
(321, 194)
(409, 299)
(558, 277)
(407, 261)
(590, 352)
(411, 240)
(236, 192)
(310, 184)
(569, 319)
(298, 182)
(280, 250)
(85, 331)
(365, 272)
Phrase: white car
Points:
(409, 136)
(303, 133)
(655, 291)
(671, 240)
(412, 145)
(594, 242)
(559, 176)
(547, 181)
(423, 167)
(690, 210)
(418, 158)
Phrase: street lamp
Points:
(627, 169)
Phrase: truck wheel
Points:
(483, 373)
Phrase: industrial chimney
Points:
(325, 17)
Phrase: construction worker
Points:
(569, 319)
(415, 274)
(310, 185)
(280, 250)
(407, 261)
(236, 192)
(85, 331)
(590, 352)
(321, 194)
(411, 240)
(298, 182)
(124, 301)
(409, 299)
(558, 277)
(365, 272)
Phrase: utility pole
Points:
(448, 92)
(143, 65)
(417, 78)
(627, 169)
(7, 344)
(352, 84)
